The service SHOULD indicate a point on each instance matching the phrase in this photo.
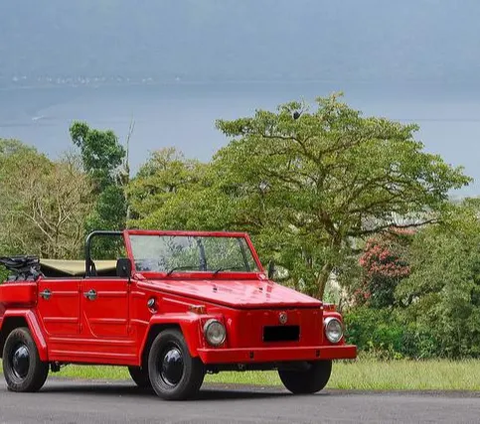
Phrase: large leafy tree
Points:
(307, 184)
(311, 182)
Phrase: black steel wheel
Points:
(22, 367)
(173, 373)
(311, 379)
(140, 376)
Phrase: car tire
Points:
(22, 367)
(174, 374)
(310, 380)
(140, 377)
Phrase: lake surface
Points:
(183, 115)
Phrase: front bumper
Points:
(276, 354)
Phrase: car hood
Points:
(245, 294)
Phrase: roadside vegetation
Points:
(351, 209)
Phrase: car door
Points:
(59, 306)
(105, 308)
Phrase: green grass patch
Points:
(364, 374)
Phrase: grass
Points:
(364, 374)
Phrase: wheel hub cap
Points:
(21, 361)
(172, 366)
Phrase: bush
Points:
(429, 304)
(419, 342)
(384, 264)
(395, 334)
(376, 331)
(441, 297)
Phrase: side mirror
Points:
(271, 270)
(124, 268)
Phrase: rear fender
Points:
(33, 325)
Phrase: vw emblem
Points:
(283, 318)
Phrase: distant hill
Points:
(168, 40)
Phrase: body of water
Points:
(183, 115)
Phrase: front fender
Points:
(34, 327)
(189, 324)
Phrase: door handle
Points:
(91, 294)
(46, 294)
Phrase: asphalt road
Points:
(65, 401)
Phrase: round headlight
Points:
(214, 332)
(333, 329)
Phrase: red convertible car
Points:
(178, 305)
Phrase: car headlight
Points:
(215, 332)
(333, 329)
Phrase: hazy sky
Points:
(248, 39)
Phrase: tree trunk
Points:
(322, 279)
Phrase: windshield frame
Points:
(195, 273)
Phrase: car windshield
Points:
(171, 254)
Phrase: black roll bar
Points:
(89, 264)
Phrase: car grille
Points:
(284, 333)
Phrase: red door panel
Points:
(59, 306)
(105, 305)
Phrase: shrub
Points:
(441, 297)
(375, 331)
(384, 264)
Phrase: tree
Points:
(312, 182)
(45, 203)
(160, 181)
(171, 191)
(442, 295)
(101, 152)
(105, 161)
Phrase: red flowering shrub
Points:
(384, 263)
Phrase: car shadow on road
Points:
(208, 393)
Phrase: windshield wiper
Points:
(199, 268)
(230, 268)
(183, 267)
